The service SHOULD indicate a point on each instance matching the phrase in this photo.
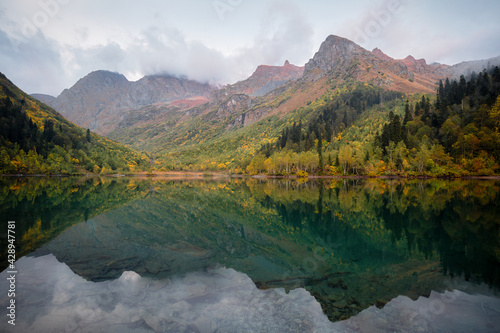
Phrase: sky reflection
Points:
(51, 298)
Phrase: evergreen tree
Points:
(48, 130)
(320, 154)
(408, 117)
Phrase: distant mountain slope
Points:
(437, 71)
(36, 139)
(47, 99)
(467, 67)
(263, 80)
(98, 100)
(425, 75)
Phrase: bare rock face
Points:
(335, 53)
(263, 80)
(98, 100)
(378, 52)
(234, 104)
(341, 58)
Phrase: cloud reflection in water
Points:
(51, 298)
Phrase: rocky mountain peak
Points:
(378, 52)
(334, 51)
(411, 60)
(103, 78)
(263, 80)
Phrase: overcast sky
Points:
(47, 45)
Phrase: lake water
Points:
(251, 255)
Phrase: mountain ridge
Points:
(184, 124)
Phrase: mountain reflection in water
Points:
(350, 244)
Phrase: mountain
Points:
(438, 71)
(343, 94)
(35, 139)
(468, 67)
(239, 106)
(263, 80)
(99, 100)
(47, 99)
(103, 101)
(424, 74)
(357, 101)
(378, 52)
(341, 58)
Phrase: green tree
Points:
(319, 148)
(345, 157)
(423, 155)
(408, 117)
(48, 130)
(495, 114)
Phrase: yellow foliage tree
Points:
(495, 114)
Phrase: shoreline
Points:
(209, 175)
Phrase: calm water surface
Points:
(249, 255)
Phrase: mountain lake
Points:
(203, 255)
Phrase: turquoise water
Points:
(243, 255)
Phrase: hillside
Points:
(454, 134)
(35, 139)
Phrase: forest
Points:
(34, 139)
(454, 133)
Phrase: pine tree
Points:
(48, 130)
(320, 155)
(408, 116)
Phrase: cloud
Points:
(34, 63)
(284, 34)
(54, 299)
(189, 40)
(214, 300)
